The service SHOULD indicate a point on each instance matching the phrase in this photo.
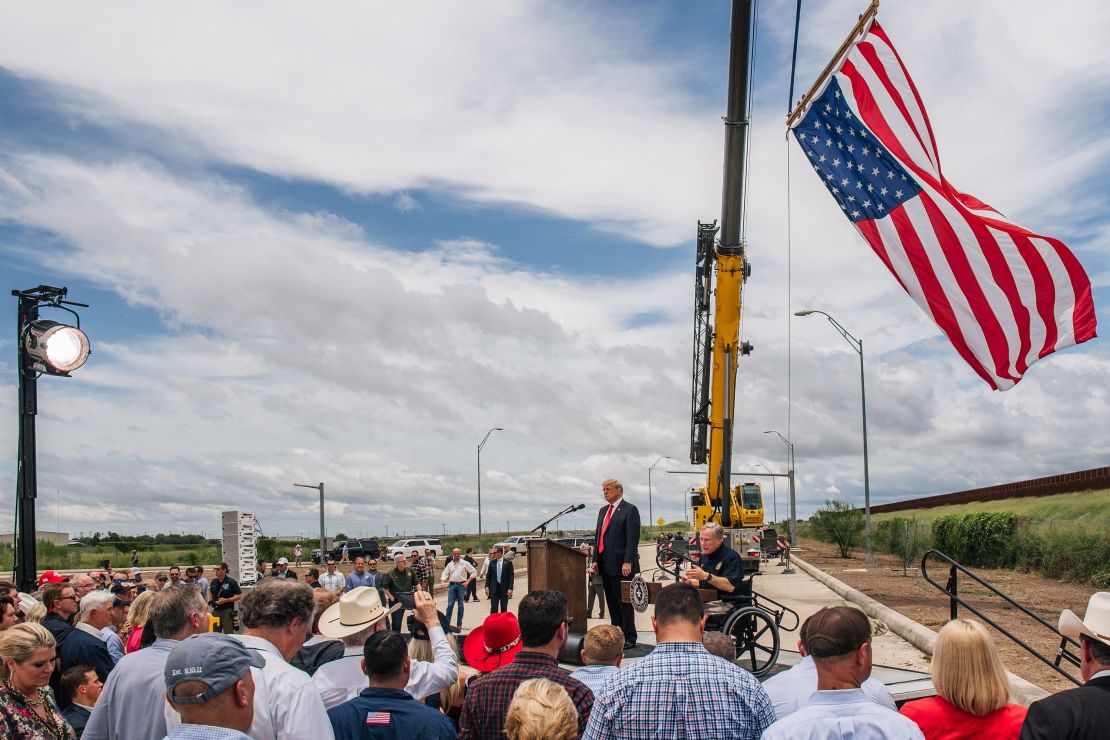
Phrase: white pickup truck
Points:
(517, 544)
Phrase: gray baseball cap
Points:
(213, 658)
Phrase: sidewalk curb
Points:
(921, 637)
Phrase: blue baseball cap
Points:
(212, 658)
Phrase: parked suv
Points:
(355, 549)
(517, 544)
(405, 547)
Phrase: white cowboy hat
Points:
(357, 609)
(1096, 624)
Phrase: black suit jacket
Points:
(622, 538)
(77, 716)
(1077, 713)
(82, 648)
(507, 577)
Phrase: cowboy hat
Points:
(1096, 623)
(357, 609)
(494, 644)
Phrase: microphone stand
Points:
(543, 527)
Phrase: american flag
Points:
(377, 718)
(1004, 296)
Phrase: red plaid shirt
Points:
(488, 698)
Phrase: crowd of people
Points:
(325, 656)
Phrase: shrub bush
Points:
(839, 523)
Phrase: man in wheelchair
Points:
(721, 569)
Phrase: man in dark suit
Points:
(499, 581)
(1083, 712)
(81, 686)
(618, 537)
(85, 644)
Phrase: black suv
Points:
(355, 549)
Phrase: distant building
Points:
(54, 538)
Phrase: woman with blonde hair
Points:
(137, 616)
(450, 700)
(973, 693)
(541, 710)
(27, 707)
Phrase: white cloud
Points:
(303, 349)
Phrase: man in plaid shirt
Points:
(680, 690)
(420, 568)
(543, 630)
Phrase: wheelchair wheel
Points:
(757, 639)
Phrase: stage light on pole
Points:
(45, 348)
(54, 348)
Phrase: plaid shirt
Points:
(680, 691)
(488, 698)
(420, 569)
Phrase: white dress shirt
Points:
(331, 581)
(791, 690)
(457, 572)
(343, 679)
(286, 704)
(840, 715)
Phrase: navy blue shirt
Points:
(390, 714)
(725, 563)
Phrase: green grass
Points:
(56, 557)
(1088, 507)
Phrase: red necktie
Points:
(604, 526)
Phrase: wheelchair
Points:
(753, 621)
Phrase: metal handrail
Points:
(951, 588)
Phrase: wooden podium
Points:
(552, 565)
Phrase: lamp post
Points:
(857, 345)
(323, 538)
(44, 348)
(790, 478)
(480, 446)
(774, 489)
(651, 513)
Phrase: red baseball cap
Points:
(49, 576)
(493, 644)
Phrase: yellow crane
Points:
(721, 270)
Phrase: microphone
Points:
(580, 506)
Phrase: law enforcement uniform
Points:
(225, 589)
(725, 563)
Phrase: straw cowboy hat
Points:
(1096, 623)
(357, 609)
(493, 644)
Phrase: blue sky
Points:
(318, 248)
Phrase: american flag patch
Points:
(377, 718)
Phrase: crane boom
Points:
(722, 261)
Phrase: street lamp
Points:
(774, 489)
(44, 348)
(323, 538)
(790, 479)
(857, 345)
(651, 514)
(480, 446)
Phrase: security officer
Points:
(224, 592)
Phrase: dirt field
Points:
(918, 600)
